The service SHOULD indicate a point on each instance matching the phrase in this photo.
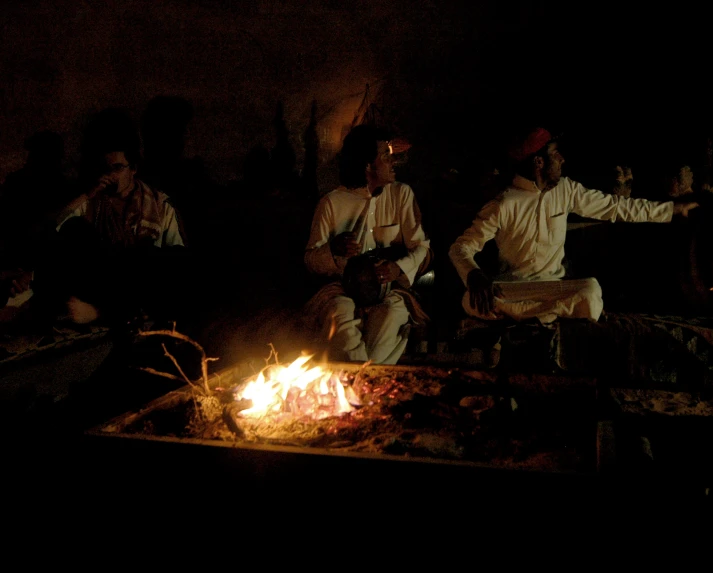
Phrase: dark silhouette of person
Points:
(283, 158)
(310, 187)
(165, 128)
(29, 199)
(257, 175)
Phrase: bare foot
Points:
(81, 312)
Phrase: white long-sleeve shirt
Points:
(529, 226)
(390, 218)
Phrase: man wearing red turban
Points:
(529, 223)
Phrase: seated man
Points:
(107, 259)
(369, 214)
(529, 223)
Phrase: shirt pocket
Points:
(557, 227)
(385, 235)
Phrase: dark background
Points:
(622, 83)
(454, 76)
(625, 82)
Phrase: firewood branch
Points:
(175, 363)
(204, 359)
(166, 375)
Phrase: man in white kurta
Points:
(357, 219)
(528, 222)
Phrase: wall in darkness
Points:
(450, 75)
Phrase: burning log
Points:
(231, 416)
(295, 390)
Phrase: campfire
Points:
(296, 390)
(424, 412)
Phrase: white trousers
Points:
(544, 300)
(375, 335)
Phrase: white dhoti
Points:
(373, 333)
(544, 300)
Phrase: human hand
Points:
(387, 271)
(21, 282)
(623, 181)
(16, 281)
(683, 209)
(102, 183)
(345, 245)
(482, 291)
(623, 174)
(81, 312)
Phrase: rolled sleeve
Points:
(171, 235)
(318, 254)
(414, 236)
(485, 226)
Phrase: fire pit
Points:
(346, 422)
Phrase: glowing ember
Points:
(298, 390)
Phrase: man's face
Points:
(381, 171)
(685, 178)
(118, 168)
(683, 183)
(553, 167)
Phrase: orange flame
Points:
(296, 389)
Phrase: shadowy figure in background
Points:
(165, 128)
(257, 175)
(467, 182)
(283, 157)
(685, 254)
(30, 199)
(623, 181)
(654, 268)
(275, 220)
(310, 187)
(119, 248)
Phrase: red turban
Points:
(399, 145)
(531, 143)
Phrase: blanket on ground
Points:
(645, 350)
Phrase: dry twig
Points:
(204, 359)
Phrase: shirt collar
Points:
(521, 182)
(363, 192)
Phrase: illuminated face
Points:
(685, 177)
(683, 183)
(553, 167)
(118, 168)
(381, 171)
